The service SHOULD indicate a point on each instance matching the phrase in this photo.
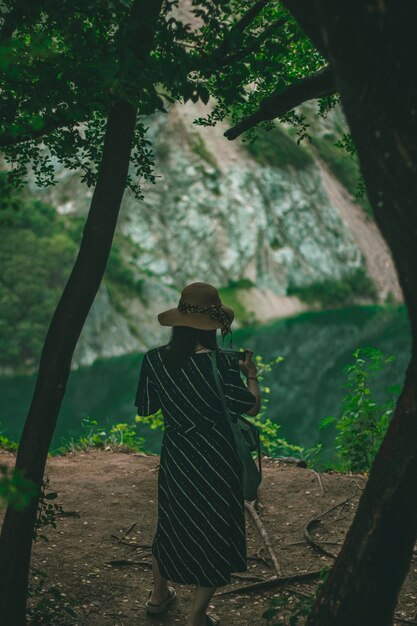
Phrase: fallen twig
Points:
(133, 544)
(403, 619)
(126, 562)
(316, 520)
(311, 541)
(125, 534)
(319, 479)
(261, 529)
(67, 514)
(275, 581)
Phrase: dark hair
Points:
(183, 343)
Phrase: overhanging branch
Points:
(253, 45)
(316, 86)
(29, 134)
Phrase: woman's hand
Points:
(248, 367)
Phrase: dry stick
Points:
(315, 520)
(124, 562)
(125, 534)
(311, 541)
(134, 544)
(402, 619)
(319, 479)
(272, 582)
(261, 529)
(251, 507)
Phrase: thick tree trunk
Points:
(57, 353)
(372, 48)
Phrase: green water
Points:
(305, 387)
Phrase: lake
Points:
(304, 388)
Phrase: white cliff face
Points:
(274, 226)
(216, 215)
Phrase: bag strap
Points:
(213, 356)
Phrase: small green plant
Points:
(271, 443)
(292, 608)
(119, 436)
(364, 422)
(47, 511)
(16, 490)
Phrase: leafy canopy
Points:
(63, 64)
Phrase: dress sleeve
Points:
(238, 397)
(147, 398)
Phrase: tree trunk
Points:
(372, 48)
(57, 353)
(134, 42)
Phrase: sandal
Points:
(159, 608)
(212, 620)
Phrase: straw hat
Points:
(199, 307)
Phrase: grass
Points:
(200, 149)
(337, 292)
(230, 298)
(343, 166)
(276, 149)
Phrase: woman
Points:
(200, 537)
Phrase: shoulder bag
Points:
(247, 439)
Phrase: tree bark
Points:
(373, 51)
(67, 323)
(55, 361)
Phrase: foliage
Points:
(62, 69)
(199, 148)
(230, 297)
(346, 170)
(16, 490)
(123, 437)
(36, 256)
(363, 423)
(292, 609)
(271, 443)
(333, 292)
(47, 511)
(276, 149)
(38, 247)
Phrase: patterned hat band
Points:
(214, 310)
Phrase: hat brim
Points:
(202, 321)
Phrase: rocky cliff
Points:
(264, 223)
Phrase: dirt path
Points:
(113, 490)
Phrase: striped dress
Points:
(200, 535)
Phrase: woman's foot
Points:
(207, 620)
(157, 598)
(158, 604)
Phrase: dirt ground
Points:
(111, 491)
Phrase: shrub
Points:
(363, 423)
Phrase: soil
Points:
(104, 493)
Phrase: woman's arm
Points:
(253, 387)
(248, 368)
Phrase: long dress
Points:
(200, 536)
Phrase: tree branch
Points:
(253, 45)
(224, 48)
(316, 86)
(28, 133)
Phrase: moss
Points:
(229, 297)
(277, 149)
(344, 167)
(337, 292)
(200, 149)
